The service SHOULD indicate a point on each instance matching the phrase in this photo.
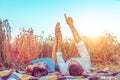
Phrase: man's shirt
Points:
(84, 60)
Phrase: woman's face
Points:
(73, 62)
(42, 65)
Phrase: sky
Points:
(91, 17)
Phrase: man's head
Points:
(75, 69)
(38, 72)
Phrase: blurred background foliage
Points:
(104, 49)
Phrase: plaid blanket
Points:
(21, 75)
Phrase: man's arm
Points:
(69, 21)
(61, 64)
(80, 44)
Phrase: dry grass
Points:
(104, 50)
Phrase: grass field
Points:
(104, 50)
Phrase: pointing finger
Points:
(65, 16)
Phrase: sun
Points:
(92, 26)
(91, 31)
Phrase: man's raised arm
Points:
(69, 21)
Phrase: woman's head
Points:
(75, 69)
(38, 69)
(38, 72)
(40, 65)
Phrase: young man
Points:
(74, 66)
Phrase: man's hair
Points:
(41, 71)
(75, 70)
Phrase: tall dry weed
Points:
(104, 50)
(27, 46)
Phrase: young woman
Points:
(42, 66)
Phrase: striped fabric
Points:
(98, 75)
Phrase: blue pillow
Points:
(47, 61)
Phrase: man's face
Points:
(73, 62)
